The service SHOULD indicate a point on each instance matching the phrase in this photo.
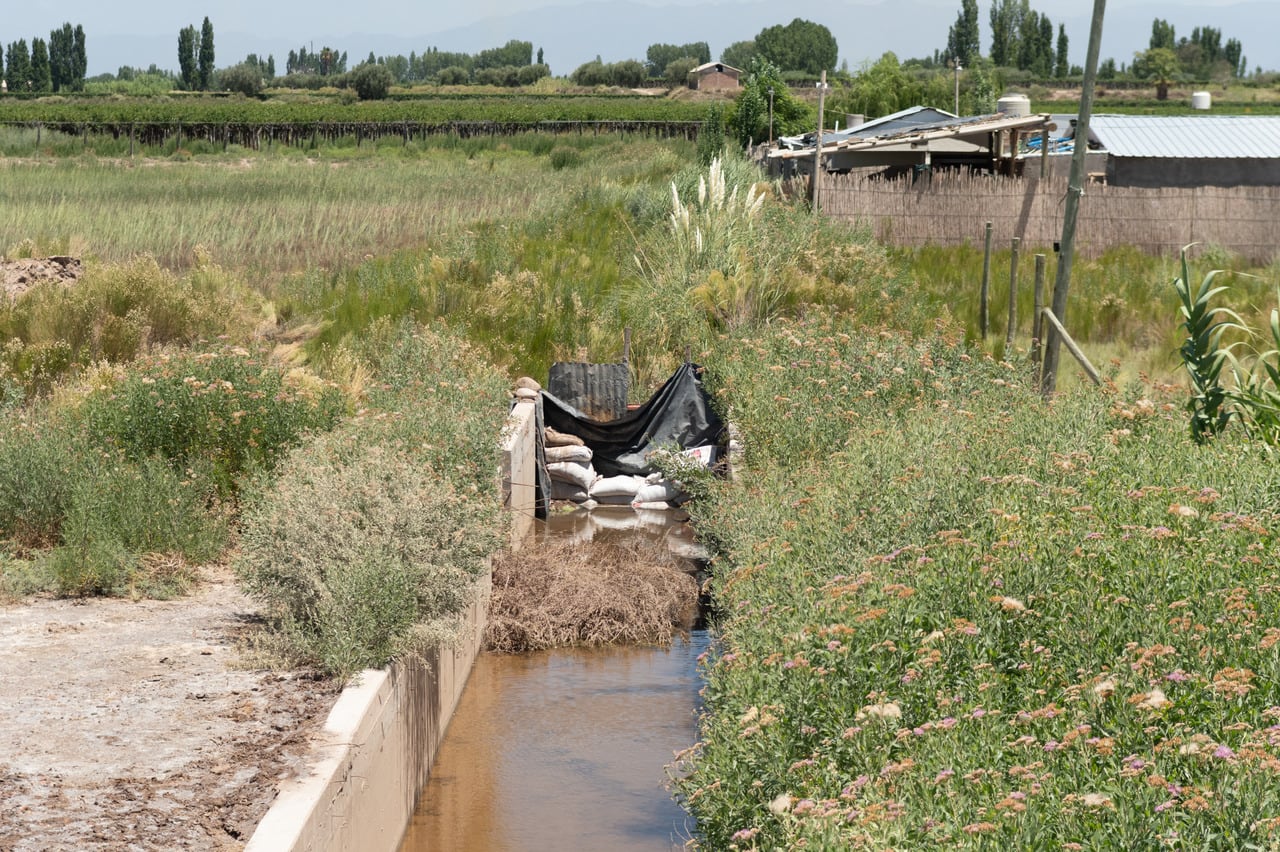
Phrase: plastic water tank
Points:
(1014, 105)
(1201, 100)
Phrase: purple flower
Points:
(1224, 752)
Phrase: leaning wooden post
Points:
(986, 285)
(1037, 322)
(1044, 152)
(1061, 334)
(1012, 326)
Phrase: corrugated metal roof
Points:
(1188, 136)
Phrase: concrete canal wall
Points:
(378, 743)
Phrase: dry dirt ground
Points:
(133, 725)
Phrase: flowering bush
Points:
(224, 409)
(951, 615)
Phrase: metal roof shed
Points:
(1189, 150)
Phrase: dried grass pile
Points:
(587, 594)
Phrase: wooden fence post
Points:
(1012, 327)
(1037, 322)
(986, 284)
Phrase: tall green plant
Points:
(1203, 354)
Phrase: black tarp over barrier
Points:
(680, 414)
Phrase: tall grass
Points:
(271, 214)
(1119, 304)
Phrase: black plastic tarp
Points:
(680, 414)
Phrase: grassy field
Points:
(950, 613)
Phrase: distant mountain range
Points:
(573, 34)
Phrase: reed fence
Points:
(950, 209)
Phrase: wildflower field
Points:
(954, 615)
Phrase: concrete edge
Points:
(379, 740)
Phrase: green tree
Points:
(879, 89)
(739, 54)
(41, 76)
(1162, 35)
(676, 74)
(371, 81)
(539, 62)
(1060, 65)
(963, 40)
(1006, 26)
(61, 59)
(79, 59)
(205, 60)
(799, 46)
(18, 73)
(245, 78)
(187, 57)
(659, 56)
(1159, 64)
(514, 53)
(750, 119)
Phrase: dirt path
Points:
(127, 725)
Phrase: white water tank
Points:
(1014, 105)
(1201, 100)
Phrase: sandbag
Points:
(650, 506)
(617, 486)
(657, 492)
(569, 454)
(568, 491)
(556, 438)
(573, 472)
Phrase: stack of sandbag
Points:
(639, 492)
(526, 390)
(569, 466)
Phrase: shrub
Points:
(116, 313)
(454, 75)
(243, 78)
(361, 554)
(563, 157)
(224, 409)
(40, 464)
(371, 81)
(123, 511)
(366, 546)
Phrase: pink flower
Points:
(1177, 676)
(1224, 752)
(745, 834)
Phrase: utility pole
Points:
(1075, 189)
(817, 148)
(958, 69)
(771, 116)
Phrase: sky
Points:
(142, 32)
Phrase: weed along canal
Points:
(590, 683)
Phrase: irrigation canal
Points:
(567, 749)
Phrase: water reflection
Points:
(566, 749)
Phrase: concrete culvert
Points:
(588, 594)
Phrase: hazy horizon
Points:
(572, 33)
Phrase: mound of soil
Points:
(18, 276)
(128, 725)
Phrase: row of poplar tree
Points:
(56, 65)
(195, 57)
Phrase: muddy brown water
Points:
(566, 749)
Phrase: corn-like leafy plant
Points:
(1203, 354)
